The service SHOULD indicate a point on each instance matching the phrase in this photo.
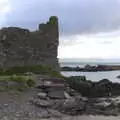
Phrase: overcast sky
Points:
(88, 28)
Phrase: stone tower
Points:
(19, 47)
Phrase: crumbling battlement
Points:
(19, 47)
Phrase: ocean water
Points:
(93, 76)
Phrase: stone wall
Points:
(19, 47)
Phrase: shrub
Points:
(52, 20)
(30, 83)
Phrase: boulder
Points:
(55, 91)
(56, 94)
(118, 76)
(47, 83)
(55, 113)
(72, 107)
(54, 80)
(116, 101)
(42, 95)
(41, 103)
(67, 96)
(104, 81)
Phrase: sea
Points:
(93, 76)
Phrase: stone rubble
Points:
(39, 104)
(70, 102)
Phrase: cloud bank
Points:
(88, 28)
(105, 46)
(76, 16)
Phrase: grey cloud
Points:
(76, 16)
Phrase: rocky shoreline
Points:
(88, 88)
(53, 98)
(70, 102)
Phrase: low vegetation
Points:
(19, 79)
(38, 69)
(30, 83)
(52, 20)
(16, 82)
(24, 76)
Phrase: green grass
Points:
(38, 69)
(16, 74)
(22, 82)
(8, 77)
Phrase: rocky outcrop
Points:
(89, 68)
(73, 103)
(36, 103)
(89, 88)
(19, 47)
(55, 96)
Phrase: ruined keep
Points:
(19, 47)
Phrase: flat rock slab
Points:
(56, 94)
(48, 84)
(41, 103)
(55, 85)
(54, 80)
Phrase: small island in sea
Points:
(91, 68)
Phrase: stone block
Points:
(56, 94)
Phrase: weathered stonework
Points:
(19, 47)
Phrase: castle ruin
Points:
(19, 47)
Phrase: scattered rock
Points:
(41, 103)
(118, 76)
(6, 105)
(55, 113)
(55, 101)
(67, 96)
(55, 94)
(46, 83)
(42, 95)
(54, 80)
(116, 101)
(5, 118)
(103, 104)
